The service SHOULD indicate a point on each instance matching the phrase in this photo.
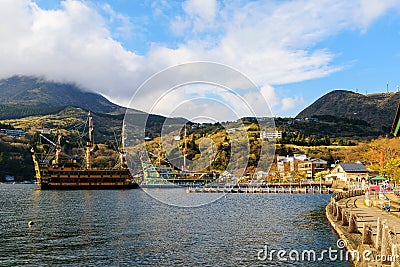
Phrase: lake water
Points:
(130, 228)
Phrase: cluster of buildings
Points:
(13, 133)
(301, 165)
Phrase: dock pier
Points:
(262, 190)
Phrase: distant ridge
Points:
(22, 96)
(376, 109)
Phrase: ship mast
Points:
(122, 153)
(185, 151)
(89, 143)
(58, 148)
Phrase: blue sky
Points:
(294, 51)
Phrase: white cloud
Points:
(124, 27)
(289, 103)
(70, 44)
(268, 92)
(201, 12)
(179, 25)
(204, 9)
(273, 42)
(370, 10)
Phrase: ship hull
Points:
(72, 178)
(88, 187)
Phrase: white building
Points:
(287, 165)
(300, 163)
(271, 135)
(348, 172)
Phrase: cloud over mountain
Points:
(273, 42)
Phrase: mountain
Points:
(378, 110)
(22, 96)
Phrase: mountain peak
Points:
(38, 94)
(377, 109)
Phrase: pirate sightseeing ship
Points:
(69, 174)
(167, 176)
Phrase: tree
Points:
(392, 169)
(320, 176)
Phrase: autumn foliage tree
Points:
(392, 169)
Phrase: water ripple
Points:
(128, 228)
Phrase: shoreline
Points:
(370, 234)
(349, 244)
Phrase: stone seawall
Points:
(369, 233)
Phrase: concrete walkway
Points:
(371, 214)
(366, 215)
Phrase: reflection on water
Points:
(129, 228)
(179, 197)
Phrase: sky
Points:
(293, 51)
